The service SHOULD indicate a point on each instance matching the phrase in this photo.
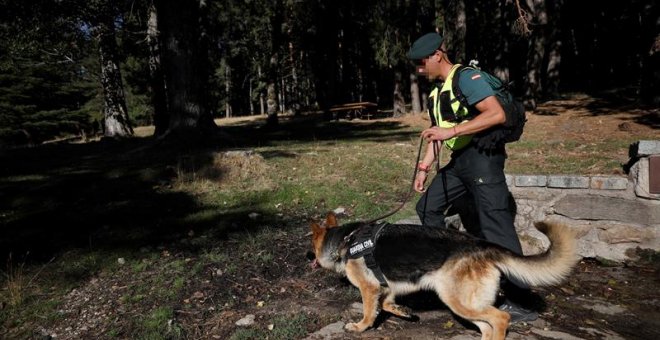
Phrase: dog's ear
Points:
(331, 220)
(316, 228)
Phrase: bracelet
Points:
(422, 167)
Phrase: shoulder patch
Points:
(476, 76)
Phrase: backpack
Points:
(514, 110)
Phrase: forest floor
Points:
(252, 279)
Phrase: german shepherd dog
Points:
(464, 271)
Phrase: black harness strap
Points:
(363, 244)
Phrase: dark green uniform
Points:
(479, 173)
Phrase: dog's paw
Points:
(355, 327)
(399, 311)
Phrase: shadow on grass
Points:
(606, 103)
(54, 198)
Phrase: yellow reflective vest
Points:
(454, 143)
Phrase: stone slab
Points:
(531, 181)
(593, 207)
(640, 174)
(609, 183)
(648, 147)
(571, 182)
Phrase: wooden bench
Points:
(361, 110)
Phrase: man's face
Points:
(430, 65)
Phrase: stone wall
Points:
(612, 214)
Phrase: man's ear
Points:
(330, 220)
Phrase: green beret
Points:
(425, 46)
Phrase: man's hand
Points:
(420, 178)
(438, 133)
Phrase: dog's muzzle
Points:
(314, 262)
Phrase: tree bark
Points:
(455, 29)
(414, 93)
(273, 74)
(262, 102)
(536, 52)
(184, 61)
(157, 80)
(115, 114)
(399, 107)
(503, 22)
(554, 49)
(227, 91)
(649, 89)
(271, 104)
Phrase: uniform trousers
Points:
(480, 174)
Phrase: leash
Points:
(412, 186)
(363, 238)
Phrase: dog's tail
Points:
(548, 268)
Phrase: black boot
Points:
(518, 313)
(520, 302)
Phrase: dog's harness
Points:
(363, 244)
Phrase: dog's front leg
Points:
(359, 275)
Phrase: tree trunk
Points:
(250, 98)
(503, 22)
(455, 29)
(271, 104)
(115, 114)
(184, 63)
(414, 94)
(399, 107)
(227, 91)
(554, 50)
(536, 52)
(274, 64)
(294, 95)
(649, 89)
(262, 105)
(157, 80)
(282, 95)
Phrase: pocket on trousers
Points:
(493, 191)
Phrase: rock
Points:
(253, 216)
(121, 261)
(607, 309)
(356, 307)
(593, 207)
(602, 334)
(248, 320)
(339, 211)
(328, 332)
(555, 334)
(625, 233)
(464, 337)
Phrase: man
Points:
(473, 169)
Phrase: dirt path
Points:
(289, 300)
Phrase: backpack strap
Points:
(458, 94)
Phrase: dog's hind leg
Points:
(469, 290)
(357, 273)
(390, 306)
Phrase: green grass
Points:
(283, 328)
(366, 169)
(159, 324)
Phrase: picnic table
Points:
(361, 110)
